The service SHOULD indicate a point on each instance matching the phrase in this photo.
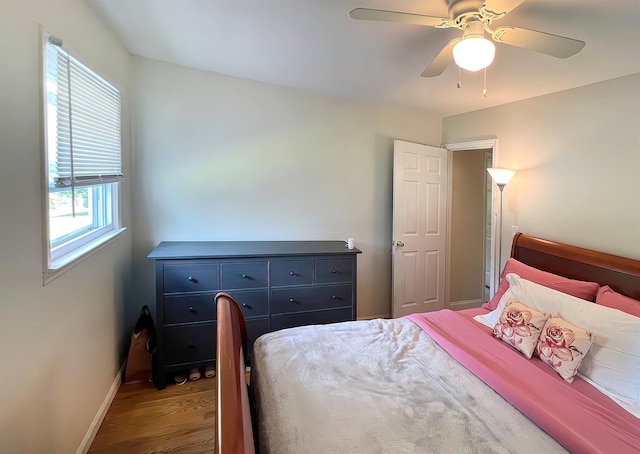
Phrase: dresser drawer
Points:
(255, 329)
(253, 303)
(334, 270)
(189, 309)
(310, 298)
(311, 318)
(193, 277)
(189, 344)
(291, 272)
(244, 275)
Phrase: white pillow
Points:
(489, 320)
(612, 363)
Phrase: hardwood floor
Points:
(178, 419)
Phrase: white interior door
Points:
(420, 182)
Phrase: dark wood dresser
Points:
(279, 284)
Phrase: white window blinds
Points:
(84, 117)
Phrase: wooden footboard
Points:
(233, 416)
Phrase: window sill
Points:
(61, 266)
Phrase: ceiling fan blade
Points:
(501, 6)
(546, 43)
(441, 61)
(396, 16)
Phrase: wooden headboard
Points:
(620, 273)
(233, 417)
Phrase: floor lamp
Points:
(501, 177)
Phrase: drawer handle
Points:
(334, 271)
(291, 273)
(334, 297)
(192, 279)
(291, 300)
(246, 305)
(191, 345)
(192, 310)
(244, 276)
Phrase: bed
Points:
(436, 382)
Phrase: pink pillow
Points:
(580, 289)
(562, 346)
(610, 298)
(520, 326)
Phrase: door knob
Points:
(399, 244)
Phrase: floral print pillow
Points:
(520, 327)
(562, 346)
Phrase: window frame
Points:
(59, 257)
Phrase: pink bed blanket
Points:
(577, 415)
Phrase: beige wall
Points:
(468, 201)
(224, 158)
(221, 158)
(61, 344)
(578, 158)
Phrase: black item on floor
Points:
(143, 339)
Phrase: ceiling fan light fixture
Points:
(474, 52)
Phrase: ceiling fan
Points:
(472, 51)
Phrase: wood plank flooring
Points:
(178, 419)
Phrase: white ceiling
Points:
(315, 45)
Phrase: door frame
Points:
(487, 144)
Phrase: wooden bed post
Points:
(234, 433)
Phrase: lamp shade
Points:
(474, 53)
(501, 177)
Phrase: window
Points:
(83, 157)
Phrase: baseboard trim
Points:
(465, 304)
(102, 412)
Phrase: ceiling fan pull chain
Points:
(459, 84)
(484, 90)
